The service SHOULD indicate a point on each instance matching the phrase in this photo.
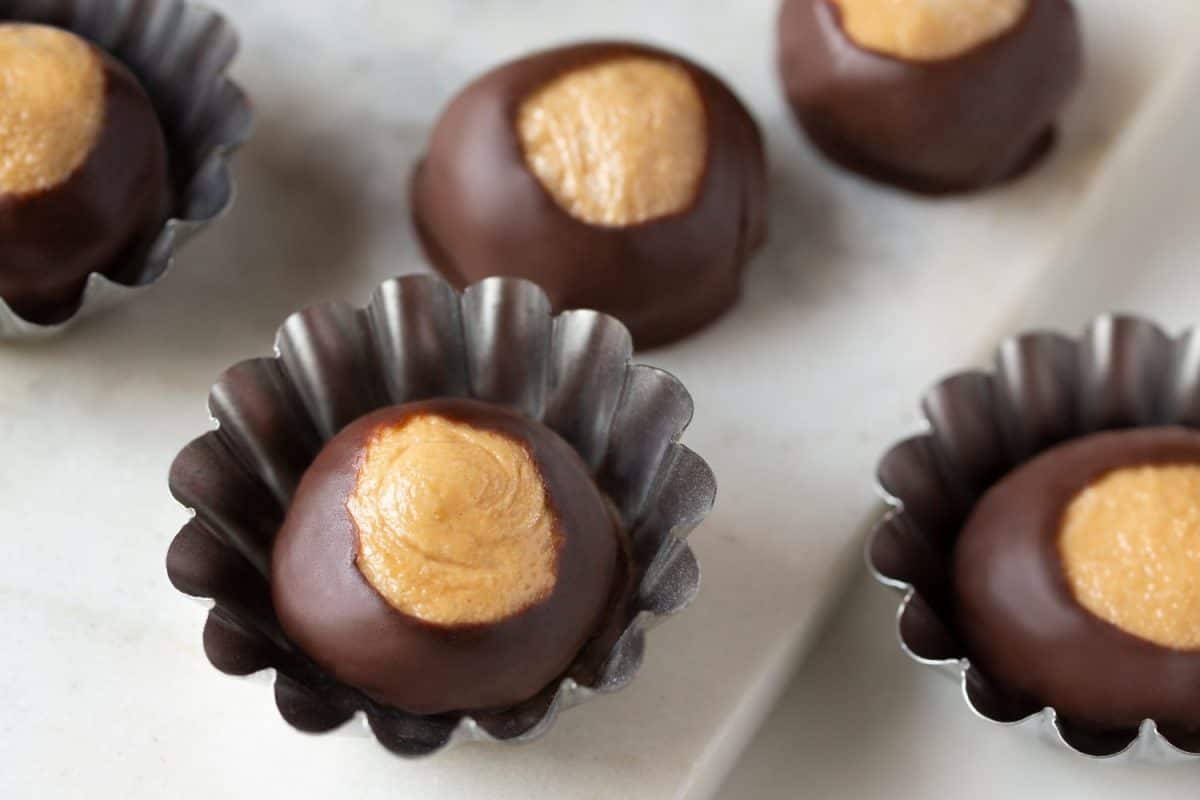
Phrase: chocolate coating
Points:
(950, 125)
(51, 240)
(1016, 611)
(480, 211)
(330, 611)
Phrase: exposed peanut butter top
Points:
(619, 142)
(453, 521)
(1130, 547)
(927, 30)
(51, 106)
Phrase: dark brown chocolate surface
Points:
(330, 611)
(51, 240)
(480, 211)
(1017, 613)
(952, 125)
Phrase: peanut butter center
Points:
(453, 522)
(927, 30)
(51, 106)
(619, 142)
(1130, 546)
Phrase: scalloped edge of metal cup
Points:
(1149, 744)
(666, 489)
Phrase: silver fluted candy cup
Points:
(179, 52)
(417, 339)
(1045, 389)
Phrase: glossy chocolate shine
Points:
(345, 625)
(480, 210)
(99, 189)
(1018, 613)
(947, 125)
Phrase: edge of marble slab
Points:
(1119, 185)
(1161, 107)
(725, 748)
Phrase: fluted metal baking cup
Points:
(180, 53)
(1046, 388)
(417, 339)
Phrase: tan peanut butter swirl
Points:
(927, 30)
(51, 106)
(619, 142)
(1130, 547)
(454, 524)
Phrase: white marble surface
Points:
(861, 720)
(861, 297)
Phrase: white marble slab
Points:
(861, 297)
(862, 721)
